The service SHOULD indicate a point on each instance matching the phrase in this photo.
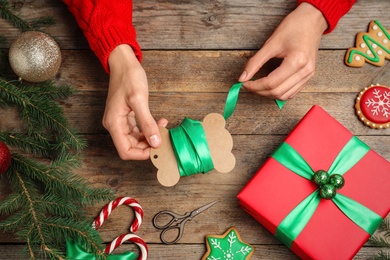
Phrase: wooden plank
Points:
(202, 24)
(216, 71)
(254, 115)
(196, 251)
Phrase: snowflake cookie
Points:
(373, 106)
(228, 246)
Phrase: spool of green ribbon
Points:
(293, 224)
(189, 139)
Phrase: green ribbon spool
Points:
(76, 252)
(293, 224)
(191, 148)
(189, 139)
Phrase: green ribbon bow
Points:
(76, 252)
(293, 224)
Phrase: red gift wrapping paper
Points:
(275, 190)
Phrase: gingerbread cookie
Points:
(228, 246)
(372, 46)
(373, 106)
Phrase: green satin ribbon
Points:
(191, 148)
(293, 224)
(280, 103)
(232, 98)
(76, 252)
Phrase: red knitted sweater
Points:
(107, 23)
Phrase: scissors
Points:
(180, 219)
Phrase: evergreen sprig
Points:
(381, 238)
(45, 207)
(7, 14)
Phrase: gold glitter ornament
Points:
(35, 56)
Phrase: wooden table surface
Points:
(194, 50)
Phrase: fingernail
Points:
(243, 76)
(155, 141)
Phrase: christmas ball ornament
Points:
(5, 158)
(336, 180)
(321, 177)
(35, 56)
(327, 191)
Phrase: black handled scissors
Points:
(180, 219)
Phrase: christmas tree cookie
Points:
(372, 47)
(373, 106)
(228, 246)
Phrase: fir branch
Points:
(49, 90)
(14, 222)
(86, 236)
(10, 204)
(7, 14)
(382, 256)
(379, 240)
(65, 183)
(41, 113)
(46, 205)
(46, 234)
(37, 143)
(55, 205)
(41, 22)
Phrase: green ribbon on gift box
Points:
(76, 252)
(293, 224)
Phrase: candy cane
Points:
(106, 211)
(143, 255)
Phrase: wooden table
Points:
(193, 52)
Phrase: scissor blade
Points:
(203, 208)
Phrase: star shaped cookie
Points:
(228, 246)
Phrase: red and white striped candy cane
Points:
(143, 255)
(106, 211)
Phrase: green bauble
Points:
(321, 177)
(336, 180)
(35, 56)
(327, 191)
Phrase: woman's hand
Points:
(296, 41)
(128, 102)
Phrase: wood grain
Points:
(194, 50)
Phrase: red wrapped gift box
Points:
(322, 228)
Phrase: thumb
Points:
(148, 126)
